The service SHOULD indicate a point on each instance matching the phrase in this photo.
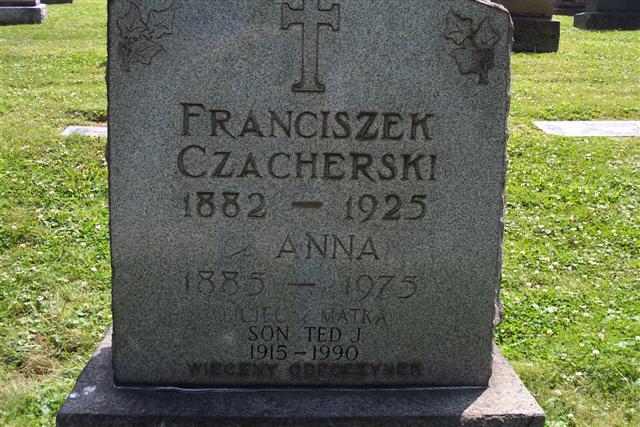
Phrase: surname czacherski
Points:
(406, 163)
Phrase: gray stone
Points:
(535, 8)
(538, 35)
(95, 402)
(609, 15)
(607, 21)
(333, 253)
(16, 12)
(534, 31)
(593, 128)
(93, 131)
(621, 6)
(19, 3)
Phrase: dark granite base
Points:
(95, 401)
(607, 21)
(538, 35)
(16, 15)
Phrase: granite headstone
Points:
(568, 7)
(609, 15)
(307, 194)
(15, 12)
(534, 29)
(539, 8)
(301, 188)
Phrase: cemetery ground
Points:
(571, 274)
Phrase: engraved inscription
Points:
(199, 162)
(307, 205)
(303, 285)
(322, 343)
(227, 371)
(327, 246)
(217, 122)
(225, 283)
(206, 204)
(311, 18)
(382, 287)
(366, 208)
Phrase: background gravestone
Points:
(609, 15)
(306, 194)
(534, 30)
(568, 7)
(56, 1)
(14, 12)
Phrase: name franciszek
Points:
(359, 126)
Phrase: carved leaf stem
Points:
(474, 53)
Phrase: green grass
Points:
(571, 288)
(54, 258)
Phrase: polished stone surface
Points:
(607, 21)
(317, 213)
(609, 15)
(620, 6)
(534, 31)
(592, 128)
(536, 8)
(536, 35)
(95, 402)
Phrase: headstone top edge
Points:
(492, 5)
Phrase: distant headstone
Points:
(609, 128)
(15, 12)
(609, 15)
(93, 131)
(534, 30)
(306, 194)
(568, 7)
(538, 8)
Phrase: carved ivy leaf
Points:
(475, 53)
(486, 35)
(139, 35)
(145, 49)
(161, 22)
(131, 25)
(458, 28)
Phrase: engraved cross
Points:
(311, 19)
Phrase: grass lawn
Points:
(571, 287)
